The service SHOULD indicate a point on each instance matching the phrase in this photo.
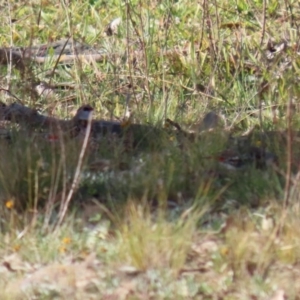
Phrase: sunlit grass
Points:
(149, 242)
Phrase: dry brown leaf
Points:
(232, 25)
(205, 247)
(129, 270)
(14, 263)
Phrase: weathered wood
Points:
(31, 119)
(65, 51)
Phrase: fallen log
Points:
(30, 119)
(134, 135)
(63, 51)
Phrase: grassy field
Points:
(163, 220)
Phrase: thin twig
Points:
(9, 71)
(264, 23)
(203, 24)
(61, 168)
(144, 51)
(11, 95)
(287, 188)
(53, 191)
(128, 49)
(74, 185)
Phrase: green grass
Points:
(164, 220)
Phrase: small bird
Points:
(259, 157)
(210, 121)
(83, 114)
(45, 90)
(99, 128)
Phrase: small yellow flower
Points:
(64, 244)
(9, 204)
(224, 251)
(258, 143)
(17, 247)
(66, 241)
(62, 249)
